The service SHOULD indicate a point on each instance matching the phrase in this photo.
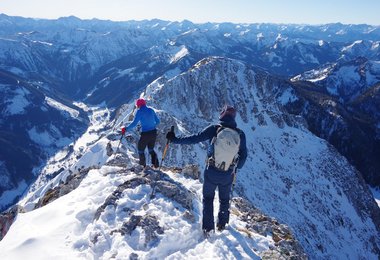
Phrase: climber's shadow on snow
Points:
(235, 238)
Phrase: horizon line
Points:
(185, 20)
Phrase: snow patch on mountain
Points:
(274, 59)
(288, 96)
(376, 195)
(345, 79)
(180, 54)
(8, 196)
(18, 101)
(65, 110)
(122, 73)
(50, 137)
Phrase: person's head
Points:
(227, 113)
(140, 102)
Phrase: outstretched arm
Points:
(134, 122)
(206, 134)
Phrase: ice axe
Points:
(166, 148)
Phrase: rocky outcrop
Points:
(112, 199)
(286, 245)
(148, 223)
(6, 220)
(71, 183)
(163, 184)
(191, 171)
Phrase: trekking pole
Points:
(153, 193)
(166, 148)
(121, 137)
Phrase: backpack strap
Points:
(219, 128)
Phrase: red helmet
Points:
(140, 102)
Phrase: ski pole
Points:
(121, 137)
(166, 148)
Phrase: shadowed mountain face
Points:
(341, 104)
(35, 124)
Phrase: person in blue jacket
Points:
(214, 177)
(148, 120)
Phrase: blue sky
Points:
(200, 11)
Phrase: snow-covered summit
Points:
(105, 211)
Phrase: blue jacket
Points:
(147, 118)
(208, 134)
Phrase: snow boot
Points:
(208, 233)
(154, 158)
(220, 227)
(142, 159)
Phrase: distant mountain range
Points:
(49, 64)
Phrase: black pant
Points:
(213, 178)
(147, 139)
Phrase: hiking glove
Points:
(170, 136)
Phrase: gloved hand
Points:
(170, 136)
(123, 130)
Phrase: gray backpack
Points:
(226, 147)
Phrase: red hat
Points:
(140, 102)
(228, 111)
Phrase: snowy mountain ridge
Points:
(289, 171)
(71, 50)
(345, 80)
(91, 60)
(290, 175)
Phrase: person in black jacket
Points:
(213, 176)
